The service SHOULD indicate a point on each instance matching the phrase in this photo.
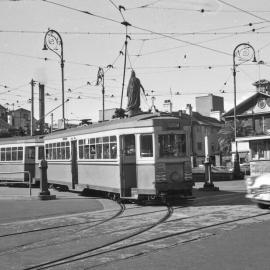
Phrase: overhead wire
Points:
(201, 10)
(139, 28)
(118, 22)
(242, 10)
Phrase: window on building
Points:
(260, 149)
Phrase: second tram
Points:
(19, 158)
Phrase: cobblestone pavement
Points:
(98, 239)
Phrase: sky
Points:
(179, 49)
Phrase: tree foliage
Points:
(226, 134)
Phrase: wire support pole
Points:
(32, 128)
(103, 100)
(126, 24)
(124, 73)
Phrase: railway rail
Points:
(136, 233)
(75, 235)
(64, 260)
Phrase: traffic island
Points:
(208, 185)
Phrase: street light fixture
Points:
(245, 53)
(54, 42)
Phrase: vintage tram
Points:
(141, 157)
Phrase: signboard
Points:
(161, 174)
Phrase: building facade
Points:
(21, 119)
(205, 105)
(254, 112)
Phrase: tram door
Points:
(29, 162)
(74, 164)
(127, 164)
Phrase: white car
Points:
(258, 190)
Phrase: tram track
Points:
(59, 239)
(77, 256)
(159, 239)
(217, 199)
(85, 256)
(100, 221)
(97, 222)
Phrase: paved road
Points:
(218, 230)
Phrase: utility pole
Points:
(126, 24)
(41, 108)
(32, 129)
(51, 122)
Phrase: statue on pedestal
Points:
(133, 94)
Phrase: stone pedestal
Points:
(44, 191)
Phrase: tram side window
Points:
(129, 145)
(20, 153)
(8, 154)
(3, 154)
(146, 145)
(172, 145)
(14, 153)
(98, 148)
(30, 152)
(81, 143)
(113, 147)
(11, 153)
(57, 151)
(67, 150)
(41, 152)
(106, 148)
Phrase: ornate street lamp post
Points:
(244, 53)
(54, 42)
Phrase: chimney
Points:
(41, 108)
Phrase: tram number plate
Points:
(161, 174)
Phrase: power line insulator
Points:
(125, 23)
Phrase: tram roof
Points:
(21, 139)
(141, 120)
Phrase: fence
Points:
(29, 177)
